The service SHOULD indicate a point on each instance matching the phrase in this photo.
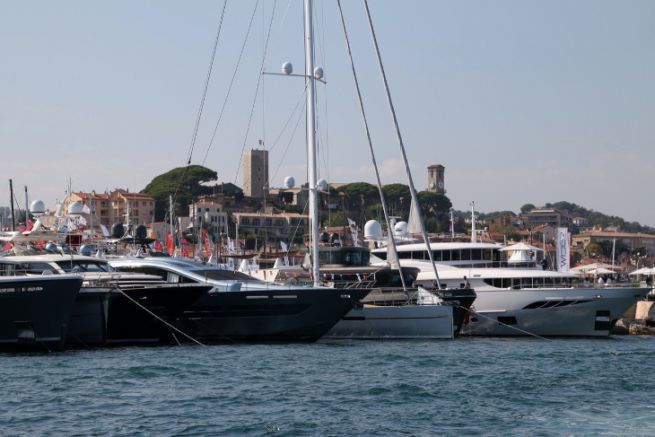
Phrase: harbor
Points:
(459, 239)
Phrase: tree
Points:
(527, 208)
(434, 202)
(184, 183)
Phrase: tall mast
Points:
(27, 207)
(311, 140)
(11, 203)
(474, 236)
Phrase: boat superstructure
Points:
(521, 301)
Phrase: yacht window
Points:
(455, 255)
(466, 254)
(487, 254)
(224, 275)
(476, 254)
(507, 283)
(436, 254)
(446, 255)
(526, 283)
(538, 282)
(405, 255)
(82, 266)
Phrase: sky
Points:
(522, 101)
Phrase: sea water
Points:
(466, 386)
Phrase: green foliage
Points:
(186, 181)
(527, 208)
(434, 203)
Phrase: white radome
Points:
(287, 68)
(373, 230)
(400, 228)
(289, 182)
(37, 207)
(318, 73)
(322, 185)
(75, 208)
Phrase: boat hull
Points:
(370, 322)
(104, 316)
(577, 312)
(286, 315)
(35, 311)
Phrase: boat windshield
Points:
(83, 266)
(224, 275)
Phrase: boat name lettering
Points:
(20, 289)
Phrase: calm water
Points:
(467, 386)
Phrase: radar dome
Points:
(117, 230)
(373, 230)
(400, 228)
(141, 232)
(287, 68)
(86, 250)
(37, 207)
(318, 73)
(75, 208)
(289, 182)
(322, 185)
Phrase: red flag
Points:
(170, 245)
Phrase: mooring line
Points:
(472, 312)
(158, 318)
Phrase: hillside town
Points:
(204, 218)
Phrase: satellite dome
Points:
(141, 232)
(322, 185)
(75, 208)
(400, 228)
(318, 73)
(289, 182)
(373, 230)
(86, 250)
(37, 207)
(287, 68)
(117, 230)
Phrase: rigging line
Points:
(254, 100)
(293, 112)
(204, 92)
(401, 144)
(370, 144)
(229, 89)
(130, 298)
(293, 135)
(531, 334)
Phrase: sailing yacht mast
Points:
(311, 139)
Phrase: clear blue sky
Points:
(522, 101)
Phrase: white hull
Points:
(577, 312)
(396, 322)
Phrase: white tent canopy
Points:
(589, 267)
(600, 271)
(645, 271)
(521, 247)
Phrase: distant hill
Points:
(594, 218)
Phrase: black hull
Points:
(461, 299)
(34, 312)
(107, 317)
(288, 315)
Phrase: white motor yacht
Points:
(525, 300)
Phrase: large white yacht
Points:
(515, 295)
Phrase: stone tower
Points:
(255, 173)
(436, 179)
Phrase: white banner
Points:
(563, 250)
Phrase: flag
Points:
(170, 245)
